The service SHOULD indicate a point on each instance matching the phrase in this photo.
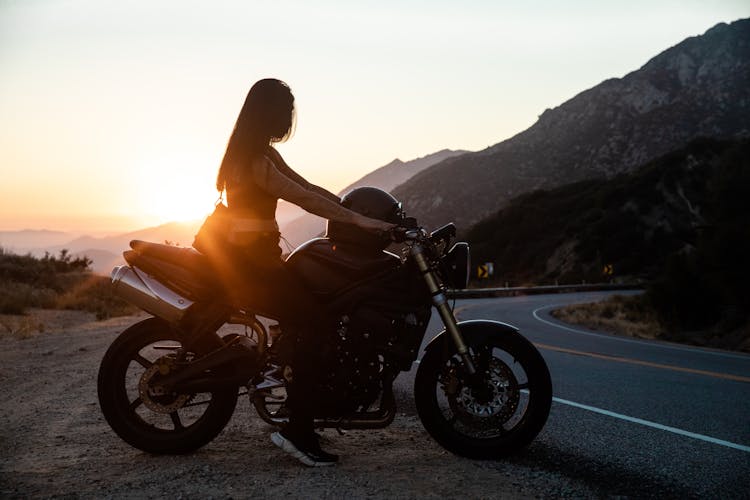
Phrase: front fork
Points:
(440, 301)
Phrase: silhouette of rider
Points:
(255, 177)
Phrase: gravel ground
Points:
(55, 443)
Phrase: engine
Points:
(370, 346)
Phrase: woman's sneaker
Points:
(305, 449)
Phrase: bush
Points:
(46, 272)
(50, 282)
(15, 298)
(94, 294)
(631, 315)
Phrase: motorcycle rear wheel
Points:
(145, 418)
(493, 416)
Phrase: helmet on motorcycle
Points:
(370, 202)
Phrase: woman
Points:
(255, 176)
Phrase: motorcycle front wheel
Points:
(494, 413)
(142, 414)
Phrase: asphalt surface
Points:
(630, 418)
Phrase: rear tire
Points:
(498, 416)
(154, 422)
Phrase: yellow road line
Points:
(618, 359)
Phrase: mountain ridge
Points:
(632, 222)
(699, 87)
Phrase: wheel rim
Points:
(489, 406)
(147, 402)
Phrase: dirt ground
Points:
(55, 442)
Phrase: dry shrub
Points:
(16, 297)
(635, 316)
(53, 282)
(631, 316)
(94, 294)
(20, 326)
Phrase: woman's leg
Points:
(305, 321)
(276, 292)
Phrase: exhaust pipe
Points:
(142, 290)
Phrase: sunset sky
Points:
(115, 115)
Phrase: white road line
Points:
(647, 423)
(535, 313)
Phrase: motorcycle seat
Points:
(185, 257)
(183, 269)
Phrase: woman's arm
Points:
(269, 178)
(285, 169)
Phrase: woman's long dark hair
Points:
(267, 116)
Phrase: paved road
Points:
(630, 417)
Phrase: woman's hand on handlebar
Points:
(396, 232)
(375, 225)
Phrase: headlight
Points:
(457, 265)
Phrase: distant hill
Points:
(698, 88)
(287, 212)
(102, 261)
(630, 225)
(177, 233)
(104, 252)
(397, 172)
(25, 240)
(387, 178)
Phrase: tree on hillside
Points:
(706, 287)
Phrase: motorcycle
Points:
(170, 383)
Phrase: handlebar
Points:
(400, 234)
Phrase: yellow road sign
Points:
(483, 271)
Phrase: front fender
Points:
(478, 330)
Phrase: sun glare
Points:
(175, 194)
(184, 204)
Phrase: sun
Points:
(171, 193)
(182, 203)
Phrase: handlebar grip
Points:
(398, 234)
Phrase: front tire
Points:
(146, 418)
(491, 416)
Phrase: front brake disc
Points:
(496, 407)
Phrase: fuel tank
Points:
(327, 267)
